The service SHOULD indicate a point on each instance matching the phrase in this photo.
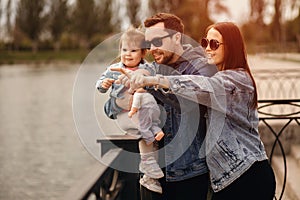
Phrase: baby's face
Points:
(131, 54)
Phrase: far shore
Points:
(42, 57)
(78, 56)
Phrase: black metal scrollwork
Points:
(276, 112)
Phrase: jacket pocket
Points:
(230, 151)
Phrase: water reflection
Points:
(40, 153)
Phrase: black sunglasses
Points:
(157, 41)
(214, 44)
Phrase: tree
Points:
(257, 9)
(276, 25)
(85, 21)
(133, 7)
(293, 30)
(8, 15)
(255, 30)
(194, 13)
(0, 11)
(105, 17)
(8, 25)
(30, 20)
(58, 17)
(278, 22)
(91, 22)
(162, 6)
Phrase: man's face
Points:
(161, 43)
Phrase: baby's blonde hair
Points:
(133, 35)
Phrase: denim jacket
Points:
(233, 143)
(111, 109)
(183, 135)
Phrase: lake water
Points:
(41, 155)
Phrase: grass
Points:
(15, 57)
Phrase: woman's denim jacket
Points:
(233, 143)
(111, 109)
(185, 125)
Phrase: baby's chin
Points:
(131, 65)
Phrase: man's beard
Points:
(167, 58)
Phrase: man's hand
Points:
(139, 79)
(131, 79)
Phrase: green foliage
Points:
(293, 28)
(84, 18)
(58, 18)
(89, 19)
(105, 15)
(30, 21)
(255, 33)
(256, 36)
(85, 23)
(133, 7)
(24, 43)
(0, 11)
(68, 41)
(29, 17)
(42, 56)
(2, 45)
(8, 18)
(194, 14)
(257, 10)
(97, 39)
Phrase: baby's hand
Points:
(132, 111)
(159, 136)
(106, 83)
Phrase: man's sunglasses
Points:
(214, 44)
(157, 41)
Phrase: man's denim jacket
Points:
(185, 124)
(111, 109)
(233, 143)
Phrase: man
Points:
(186, 172)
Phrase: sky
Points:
(237, 7)
(239, 10)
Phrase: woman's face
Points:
(215, 56)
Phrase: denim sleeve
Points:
(149, 67)
(107, 74)
(210, 92)
(197, 66)
(111, 109)
(201, 67)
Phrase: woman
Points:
(235, 155)
(252, 177)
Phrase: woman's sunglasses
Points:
(214, 44)
(157, 41)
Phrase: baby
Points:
(144, 104)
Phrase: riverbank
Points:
(292, 57)
(42, 57)
(77, 56)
